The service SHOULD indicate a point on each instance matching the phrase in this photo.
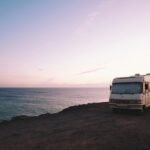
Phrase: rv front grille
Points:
(125, 101)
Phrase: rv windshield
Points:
(127, 88)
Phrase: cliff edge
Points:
(84, 127)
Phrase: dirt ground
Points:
(85, 127)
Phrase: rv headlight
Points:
(138, 101)
(135, 102)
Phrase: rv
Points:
(130, 92)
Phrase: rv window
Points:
(146, 86)
(127, 88)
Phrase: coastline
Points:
(90, 126)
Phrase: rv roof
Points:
(136, 78)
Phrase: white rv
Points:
(130, 92)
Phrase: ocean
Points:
(36, 101)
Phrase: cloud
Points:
(93, 16)
(91, 71)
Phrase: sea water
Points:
(36, 101)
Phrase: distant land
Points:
(94, 85)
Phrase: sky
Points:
(72, 43)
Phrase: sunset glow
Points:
(63, 43)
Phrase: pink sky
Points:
(72, 43)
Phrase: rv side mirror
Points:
(110, 87)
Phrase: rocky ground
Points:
(85, 127)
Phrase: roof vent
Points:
(137, 74)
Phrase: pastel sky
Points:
(56, 43)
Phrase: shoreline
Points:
(22, 117)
